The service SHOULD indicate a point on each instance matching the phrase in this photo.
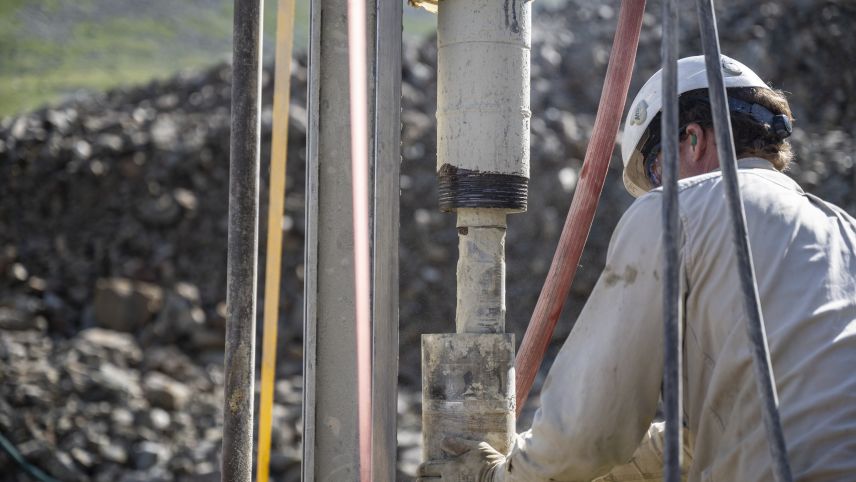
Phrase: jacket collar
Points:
(751, 163)
(759, 163)
(755, 163)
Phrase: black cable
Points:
(672, 403)
(25, 466)
(755, 322)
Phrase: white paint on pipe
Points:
(482, 127)
(483, 85)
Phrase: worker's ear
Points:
(696, 137)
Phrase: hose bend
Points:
(584, 204)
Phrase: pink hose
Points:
(359, 161)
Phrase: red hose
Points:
(583, 206)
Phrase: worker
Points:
(599, 401)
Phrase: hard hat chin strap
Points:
(779, 124)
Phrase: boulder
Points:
(125, 305)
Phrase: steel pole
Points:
(671, 241)
(330, 443)
(385, 219)
(243, 243)
(746, 271)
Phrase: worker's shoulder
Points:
(759, 178)
(703, 196)
(686, 187)
(691, 187)
(756, 179)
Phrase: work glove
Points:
(473, 462)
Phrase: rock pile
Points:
(112, 279)
(113, 235)
(99, 406)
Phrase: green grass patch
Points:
(39, 68)
(101, 55)
(9, 7)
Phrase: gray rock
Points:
(111, 143)
(122, 345)
(181, 314)
(177, 364)
(60, 119)
(108, 472)
(114, 379)
(122, 417)
(61, 465)
(165, 392)
(164, 132)
(147, 454)
(155, 475)
(157, 419)
(12, 319)
(113, 453)
(209, 476)
(159, 211)
(82, 150)
(125, 305)
(82, 457)
(206, 339)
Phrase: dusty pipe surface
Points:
(483, 114)
(467, 390)
(480, 304)
(483, 174)
(243, 243)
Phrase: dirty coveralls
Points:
(602, 391)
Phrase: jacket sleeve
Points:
(647, 460)
(601, 393)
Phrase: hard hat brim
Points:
(635, 180)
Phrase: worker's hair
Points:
(751, 139)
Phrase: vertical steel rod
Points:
(330, 449)
(672, 390)
(387, 162)
(311, 250)
(310, 255)
(243, 242)
(755, 322)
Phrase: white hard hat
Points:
(691, 75)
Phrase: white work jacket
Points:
(601, 394)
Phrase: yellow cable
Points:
(279, 154)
